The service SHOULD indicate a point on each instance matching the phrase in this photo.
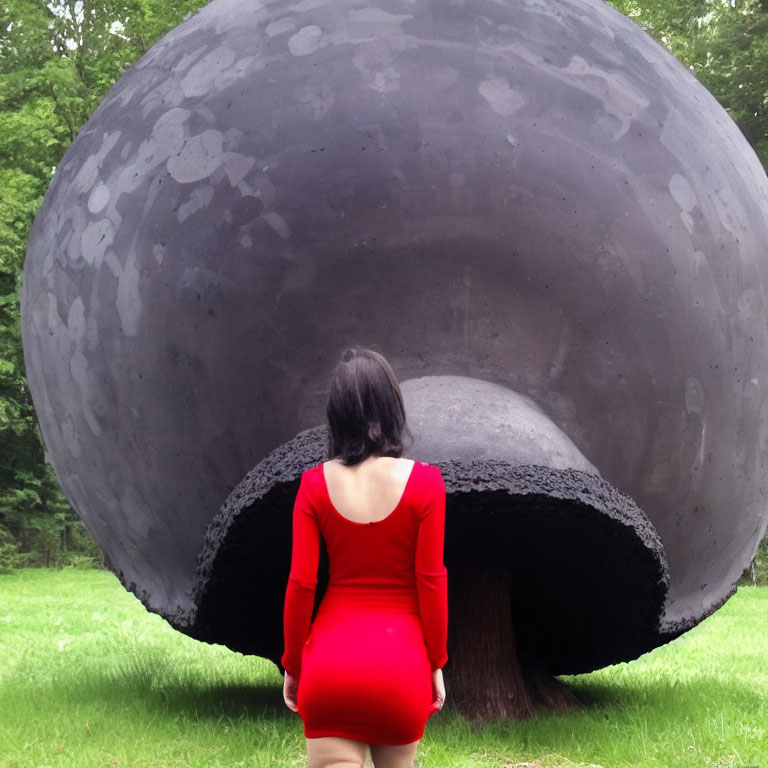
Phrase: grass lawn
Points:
(89, 679)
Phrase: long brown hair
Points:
(366, 415)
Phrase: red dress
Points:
(364, 665)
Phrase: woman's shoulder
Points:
(431, 467)
(430, 473)
(313, 471)
(312, 475)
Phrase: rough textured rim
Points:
(581, 494)
(287, 462)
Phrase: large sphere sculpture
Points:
(547, 224)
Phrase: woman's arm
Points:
(302, 580)
(431, 574)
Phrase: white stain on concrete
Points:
(108, 141)
(700, 265)
(281, 26)
(606, 126)
(319, 98)
(95, 240)
(308, 5)
(200, 156)
(306, 41)
(128, 301)
(731, 212)
(200, 78)
(69, 240)
(166, 95)
(386, 81)
(199, 199)
(233, 137)
(159, 253)
(619, 95)
(138, 511)
(687, 220)
(115, 267)
(682, 192)
(187, 59)
(374, 23)
(676, 135)
(694, 395)
(748, 305)
(262, 187)
(76, 320)
(504, 99)
(278, 223)
(54, 321)
(373, 59)
(98, 198)
(237, 166)
(168, 131)
(230, 76)
(166, 140)
(87, 175)
(78, 368)
(70, 437)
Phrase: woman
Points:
(367, 673)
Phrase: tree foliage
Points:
(757, 570)
(57, 60)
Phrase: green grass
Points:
(89, 679)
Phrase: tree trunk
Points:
(484, 676)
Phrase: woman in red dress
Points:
(367, 672)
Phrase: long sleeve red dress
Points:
(364, 664)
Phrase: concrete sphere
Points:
(531, 194)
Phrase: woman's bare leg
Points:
(335, 752)
(399, 756)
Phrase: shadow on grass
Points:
(151, 683)
(625, 702)
(156, 688)
(664, 693)
(257, 702)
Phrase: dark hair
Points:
(366, 415)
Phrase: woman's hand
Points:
(290, 691)
(438, 688)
